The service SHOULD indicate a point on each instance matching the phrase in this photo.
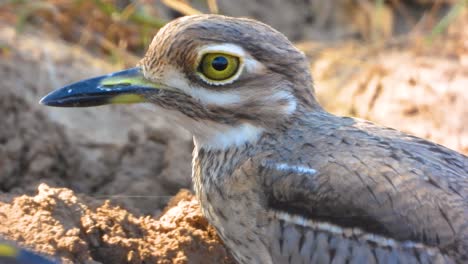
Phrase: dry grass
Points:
(123, 29)
(97, 24)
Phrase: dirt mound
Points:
(31, 147)
(78, 229)
(125, 154)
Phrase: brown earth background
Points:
(97, 185)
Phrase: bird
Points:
(281, 179)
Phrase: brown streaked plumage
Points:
(282, 180)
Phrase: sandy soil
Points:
(78, 229)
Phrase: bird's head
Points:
(224, 79)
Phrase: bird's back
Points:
(376, 180)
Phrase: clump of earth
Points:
(78, 229)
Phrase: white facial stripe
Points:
(292, 105)
(174, 78)
(252, 65)
(215, 97)
(227, 48)
(283, 95)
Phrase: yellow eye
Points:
(218, 66)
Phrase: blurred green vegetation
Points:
(91, 21)
(122, 29)
(444, 23)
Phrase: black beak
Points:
(124, 87)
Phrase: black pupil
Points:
(219, 63)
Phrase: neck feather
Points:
(227, 136)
